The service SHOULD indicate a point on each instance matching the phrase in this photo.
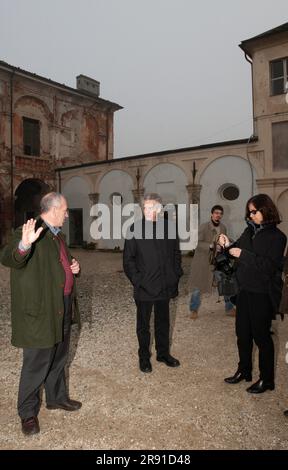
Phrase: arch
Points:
(282, 204)
(116, 180)
(66, 180)
(28, 99)
(209, 162)
(76, 190)
(169, 180)
(120, 182)
(69, 116)
(27, 199)
(222, 171)
(127, 171)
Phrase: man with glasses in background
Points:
(202, 266)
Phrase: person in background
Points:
(202, 266)
(42, 289)
(259, 255)
(283, 309)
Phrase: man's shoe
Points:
(237, 377)
(30, 426)
(145, 365)
(285, 413)
(170, 361)
(67, 405)
(194, 314)
(260, 386)
(231, 312)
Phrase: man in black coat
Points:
(152, 262)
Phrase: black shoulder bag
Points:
(225, 274)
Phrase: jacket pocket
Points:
(31, 313)
(33, 309)
(171, 277)
(151, 284)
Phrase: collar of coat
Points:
(212, 226)
(255, 228)
(46, 228)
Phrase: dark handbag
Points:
(225, 274)
(227, 284)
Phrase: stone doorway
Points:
(27, 200)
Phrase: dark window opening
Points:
(279, 76)
(31, 137)
(280, 145)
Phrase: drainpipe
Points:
(59, 181)
(248, 58)
(107, 135)
(250, 164)
(11, 150)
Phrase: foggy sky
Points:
(174, 65)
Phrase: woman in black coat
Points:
(283, 309)
(259, 259)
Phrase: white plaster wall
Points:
(228, 169)
(115, 181)
(76, 191)
(169, 181)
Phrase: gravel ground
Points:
(189, 407)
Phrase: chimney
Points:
(88, 85)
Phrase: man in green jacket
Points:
(42, 294)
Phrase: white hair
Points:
(50, 200)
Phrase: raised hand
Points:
(29, 235)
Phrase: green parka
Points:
(37, 290)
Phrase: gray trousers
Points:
(45, 366)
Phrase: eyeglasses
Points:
(254, 212)
(155, 207)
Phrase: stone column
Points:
(93, 198)
(194, 193)
(138, 195)
(194, 196)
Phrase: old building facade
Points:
(226, 173)
(45, 125)
(78, 153)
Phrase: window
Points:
(31, 136)
(229, 191)
(280, 145)
(279, 76)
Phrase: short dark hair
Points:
(264, 204)
(217, 207)
(152, 197)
